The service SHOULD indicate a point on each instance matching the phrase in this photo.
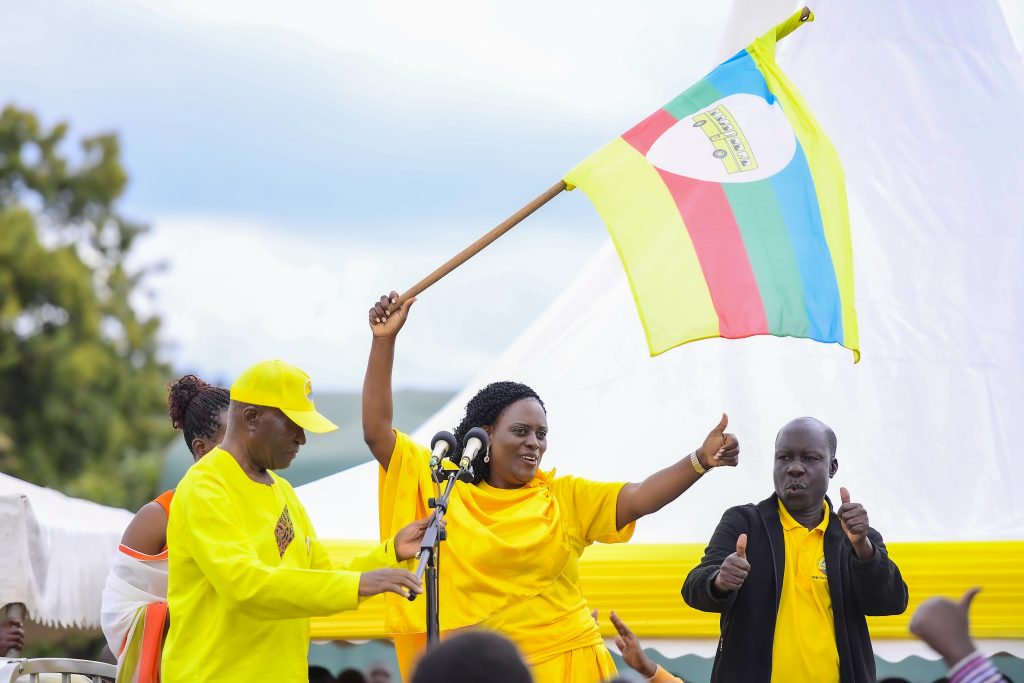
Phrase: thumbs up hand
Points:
(734, 569)
(719, 448)
(944, 625)
(854, 519)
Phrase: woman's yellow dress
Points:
(510, 563)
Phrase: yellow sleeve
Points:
(591, 506)
(381, 556)
(403, 489)
(214, 536)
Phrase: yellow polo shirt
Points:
(805, 636)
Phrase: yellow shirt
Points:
(510, 563)
(246, 572)
(805, 637)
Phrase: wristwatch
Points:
(695, 461)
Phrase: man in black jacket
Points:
(792, 579)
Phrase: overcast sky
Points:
(296, 159)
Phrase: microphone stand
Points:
(430, 550)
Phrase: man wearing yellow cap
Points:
(246, 570)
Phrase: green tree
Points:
(81, 386)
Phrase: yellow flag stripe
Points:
(827, 175)
(661, 264)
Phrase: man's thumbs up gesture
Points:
(854, 519)
(943, 624)
(734, 569)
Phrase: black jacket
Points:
(858, 588)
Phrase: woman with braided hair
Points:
(133, 613)
(516, 532)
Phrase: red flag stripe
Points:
(723, 257)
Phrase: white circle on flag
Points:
(737, 139)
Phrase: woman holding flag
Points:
(515, 534)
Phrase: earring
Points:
(487, 454)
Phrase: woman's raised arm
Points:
(664, 486)
(378, 405)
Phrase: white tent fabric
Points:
(22, 563)
(924, 107)
(55, 552)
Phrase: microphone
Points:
(476, 440)
(442, 443)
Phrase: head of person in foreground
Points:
(470, 657)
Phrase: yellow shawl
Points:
(510, 561)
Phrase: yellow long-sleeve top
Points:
(510, 563)
(246, 572)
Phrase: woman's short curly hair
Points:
(484, 409)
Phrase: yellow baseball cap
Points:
(277, 384)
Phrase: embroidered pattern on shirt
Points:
(284, 532)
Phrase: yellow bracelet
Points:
(695, 461)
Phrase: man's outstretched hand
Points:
(944, 625)
(632, 652)
(397, 581)
(409, 538)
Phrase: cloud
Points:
(570, 55)
(296, 158)
(325, 111)
(234, 292)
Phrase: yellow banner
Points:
(641, 582)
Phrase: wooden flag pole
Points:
(781, 31)
(478, 246)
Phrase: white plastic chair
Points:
(68, 670)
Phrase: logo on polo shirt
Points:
(284, 532)
(822, 568)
